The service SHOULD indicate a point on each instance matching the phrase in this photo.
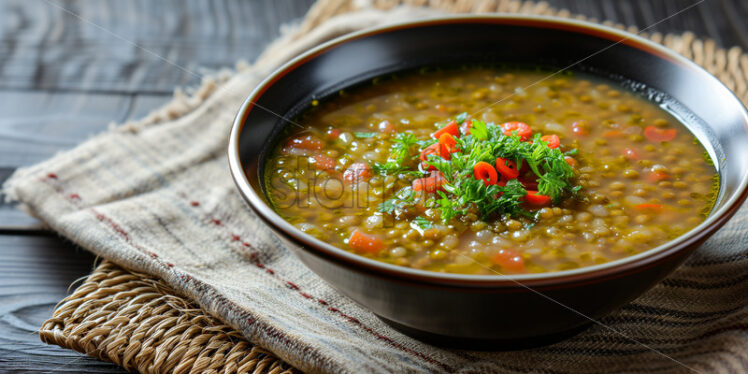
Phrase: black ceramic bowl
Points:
(457, 308)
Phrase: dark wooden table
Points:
(69, 68)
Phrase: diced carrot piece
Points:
(365, 243)
(613, 134)
(485, 172)
(653, 207)
(357, 172)
(333, 133)
(656, 135)
(656, 176)
(580, 128)
(571, 161)
(507, 168)
(450, 128)
(323, 162)
(386, 126)
(419, 184)
(630, 154)
(510, 261)
(309, 142)
(536, 200)
(520, 128)
(430, 184)
(552, 140)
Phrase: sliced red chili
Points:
(529, 184)
(485, 172)
(426, 152)
(447, 145)
(520, 128)
(502, 182)
(552, 140)
(523, 167)
(507, 168)
(534, 199)
(450, 128)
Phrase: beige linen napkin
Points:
(156, 196)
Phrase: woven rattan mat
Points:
(139, 323)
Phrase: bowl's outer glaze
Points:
(484, 317)
(493, 308)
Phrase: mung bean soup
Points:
(484, 171)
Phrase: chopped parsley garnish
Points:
(423, 223)
(460, 119)
(402, 199)
(455, 183)
(400, 152)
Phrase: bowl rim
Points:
(616, 268)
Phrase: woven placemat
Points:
(139, 323)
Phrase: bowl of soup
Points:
(499, 181)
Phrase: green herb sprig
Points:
(400, 153)
(486, 142)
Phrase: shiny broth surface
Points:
(643, 178)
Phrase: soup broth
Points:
(484, 171)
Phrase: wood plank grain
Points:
(64, 120)
(35, 273)
(61, 120)
(736, 26)
(721, 20)
(132, 46)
